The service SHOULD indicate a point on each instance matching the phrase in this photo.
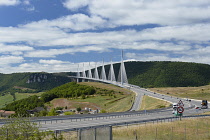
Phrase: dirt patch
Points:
(22, 88)
(62, 102)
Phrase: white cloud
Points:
(14, 49)
(133, 12)
(76, 22)
(7, 60)
(74, 5)
(40, 67)
(9, 2)
(197, 58)
(54, 52)
(51, 62)
(184, 29)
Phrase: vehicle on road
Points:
(204, 104)
(175, 105)
(197, 107)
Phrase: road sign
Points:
(180, 103)
(180, 109)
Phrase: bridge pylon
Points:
(103, 73)
(122, 76)
(111, 75)
(89, 72)
(96, 72)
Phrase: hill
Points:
(31, 82)
(73, 95)
(165, 74)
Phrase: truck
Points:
(174, 108)
(204, 104)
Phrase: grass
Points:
(189, 129)
(110, 104)
(109, 98)
(149, 102)
(107, 87)
(200, 93)
(6, 99)
(121, 100)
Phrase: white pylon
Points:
(103, 73)
(78, 74)
(122, 76)
(111, 75)
(83, 73)
(96, 72)
(89, 72)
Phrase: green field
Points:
(149, 102)
(108, 98)
(187, 129)
(6, 99)
(118, 104)
(200, 93)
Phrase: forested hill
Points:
(31, 82)
(166, 74)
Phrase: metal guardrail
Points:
(157, 120)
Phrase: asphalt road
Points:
(81, 121)
(123, 117)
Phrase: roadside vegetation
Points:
(107, 98)
(149, 102)
(167, 74)
(8, 98)
(187, 129)
(200, 93)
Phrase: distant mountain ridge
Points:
(143, 74)
(167, 74)
(36, 81)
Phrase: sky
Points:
(64, 35)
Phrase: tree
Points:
(103, 111)
(52, 112)
(19, 129)
(79, 109)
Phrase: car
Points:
(197, 107)
(175, 105)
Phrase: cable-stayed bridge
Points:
(102, 76)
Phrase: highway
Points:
(74, 122)
(124, 117)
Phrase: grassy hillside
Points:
(200, 93)
(30, 82)
(166, 74)
(187, 129)
(73, 95)
(149, 102)
(106, 97)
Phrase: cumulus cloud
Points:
(181, 32)
(51, 62)
(55, 52)
(74, 5)
(163, 12)
(7, 60)
(76, 22)
(9, 2)
(14, 49)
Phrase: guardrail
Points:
(157, 120)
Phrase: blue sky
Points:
(59, 35)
